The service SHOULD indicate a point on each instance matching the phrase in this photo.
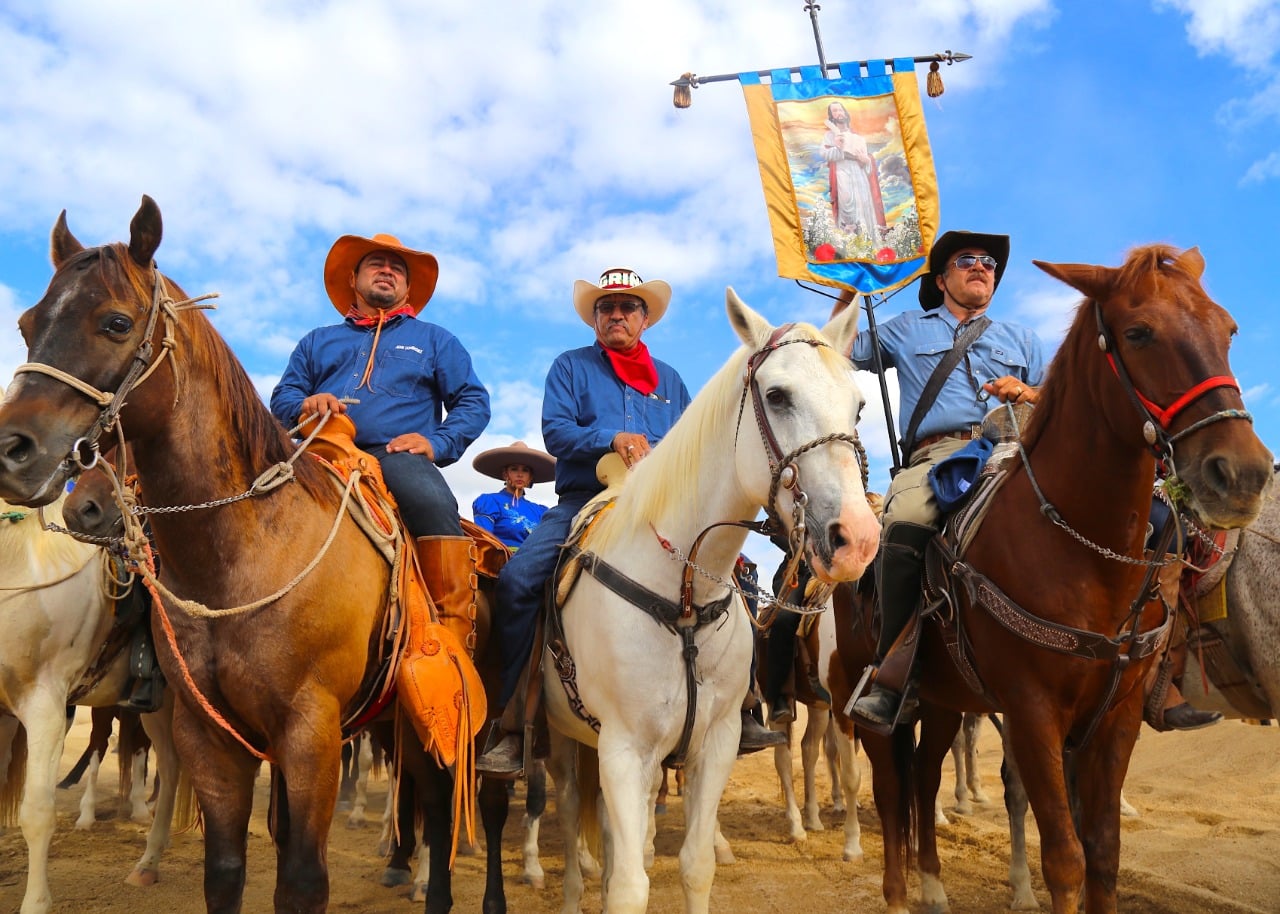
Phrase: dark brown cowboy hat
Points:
(493, 461)
(944, 250)
(349, 250)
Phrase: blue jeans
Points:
(427, 506)
(522, 583)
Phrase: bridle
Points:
(1155, 428)
(84, 452)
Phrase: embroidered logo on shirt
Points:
(410, 348)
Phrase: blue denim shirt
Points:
(915, 341)
(585, 405)
(506, 517)
(420, 371)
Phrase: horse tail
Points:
(903, 748)
(15, 780)
(186, 809)
(78, 769)
(589, 801)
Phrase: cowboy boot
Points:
(448, 566)
(146, 682)
(780, 647)
(901, 563)
(754, 736)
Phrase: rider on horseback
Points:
(942, 404)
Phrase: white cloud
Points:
(1247, 31)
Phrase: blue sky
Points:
(529, 143)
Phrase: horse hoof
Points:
(537, 881)
(851, 857)
(355, 823)
(392, 877)
(419, 893)
(343, 806)
(725, 857)
(143, 877)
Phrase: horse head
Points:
(90, 338)
(1164, 382)
(798, 449)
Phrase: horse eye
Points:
(117, 324)
(778, 398)
(1139, 336)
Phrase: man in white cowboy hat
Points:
(395, 376)
(508, 514)
(1003, 363)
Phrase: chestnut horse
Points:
(1056, 605)
(277, 681)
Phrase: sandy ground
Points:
(1208, 840)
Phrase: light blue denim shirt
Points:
(915, 341)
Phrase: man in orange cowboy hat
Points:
(396, 377)
(609, 396)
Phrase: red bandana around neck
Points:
(635, 368)
(362, 320)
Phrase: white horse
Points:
(774, 428)
(55, 613)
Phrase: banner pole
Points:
(870, 310)
(812, 9)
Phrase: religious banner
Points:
(847, 173)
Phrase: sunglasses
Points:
(966, 261)
(626, 307)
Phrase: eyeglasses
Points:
(966, 261)
(628, 308)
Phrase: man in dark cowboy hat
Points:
(609, 396)
(1002, 363)
(401, 375)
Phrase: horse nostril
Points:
(16, 449)
(836, 536)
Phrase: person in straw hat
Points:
(609, 396)
(508, 515)
(396, 377)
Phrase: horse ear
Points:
(843, 326)
(144, 233)
(62, 244)
(1093, 281)
(1192, 261)
(751, 328)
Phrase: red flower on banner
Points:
(884, 255)
(824, 253)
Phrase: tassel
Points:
(684, 94)
(933, 84)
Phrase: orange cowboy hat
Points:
(349, 250)
(655, 293)
(493, 461)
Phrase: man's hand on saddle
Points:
(630, 447)
(319, 404)
(1011, 390)
(413, 443)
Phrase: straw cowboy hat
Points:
(655, 293)
(349, 250)
(943, 252)
(493, 461)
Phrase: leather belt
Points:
(972, 433)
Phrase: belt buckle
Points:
(975, 431)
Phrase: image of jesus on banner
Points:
(856, 204)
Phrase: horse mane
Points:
(1141, 271)
(665, 481)
(258, 434)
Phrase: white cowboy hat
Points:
(493, 461)
(655, 293)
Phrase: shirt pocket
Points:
(399, 372)
(1010, 362)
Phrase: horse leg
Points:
(626, 779)
(850, 780)
(660, 804)
(891, 778)
(363, 766)
(815, 731)
(782, 764)
(831, 752)
(494, 808)
(535, 804)
(400, 825)
(563, 767)
(938, 731)
(1100, 768)
(159, 728)
(46, 735)
(705, 783)
(1015, 803)
(1039, 758)
(970, 729)
(304, 795)
(89, 799)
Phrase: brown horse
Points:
(1055, 604)
(277, 681)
